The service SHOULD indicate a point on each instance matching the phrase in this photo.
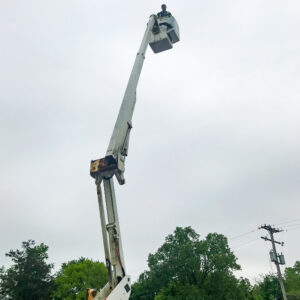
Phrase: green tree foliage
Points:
(185, 267)
(175, 290)
(76, 276)
(30, 276)
(267, 288)
(292, 280)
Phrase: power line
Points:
(291, 225)
(246, 243)
(295, 220)
(254, 230)
(242, 234)
(293, 228)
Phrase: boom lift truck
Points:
(161, 34)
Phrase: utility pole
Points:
(277, 259)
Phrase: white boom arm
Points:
(118, 144)
(118, 286)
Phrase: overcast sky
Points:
(215, 140)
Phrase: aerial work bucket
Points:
(165, 33)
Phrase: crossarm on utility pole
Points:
(266, 239)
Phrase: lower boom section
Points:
(120, 292)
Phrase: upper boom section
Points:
(162, 32)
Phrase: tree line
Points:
(185, 267)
